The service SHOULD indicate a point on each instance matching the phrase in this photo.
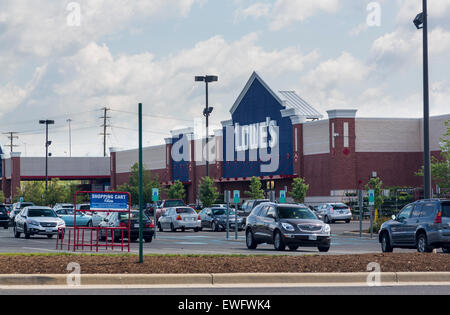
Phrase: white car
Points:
(37, 221)
(183, 218)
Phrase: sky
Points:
(65, 60)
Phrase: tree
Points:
(376, 184)
(299, 190)
(256, 192)
(148, 183)
(440, 168)
(177, 191)
(207, 192)
(2, 197)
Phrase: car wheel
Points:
(324, 249)
(347, 221)
(250, 240)
(148, 239)
(5, 227)
(386, 246)
(422, 244)
(172, 228)
(326, 220)
(196, 230)
(25, 231)
(183, 229)
(214, 227)
(102, 237)
(278, 242)
(160, 228)
(89, 224)
(16, 234)
(293, 248)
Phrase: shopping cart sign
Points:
(103, 201)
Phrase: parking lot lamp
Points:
(207, 111)
(47, 144)
(421, 22)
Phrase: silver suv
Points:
(423, 225)
(37, 221)
(332, 212)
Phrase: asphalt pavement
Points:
(205, 242)
(242, 291)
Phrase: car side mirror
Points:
(394, 217)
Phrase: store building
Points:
(277, 136)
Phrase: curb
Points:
(226, 279)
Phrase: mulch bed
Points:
(223, 264)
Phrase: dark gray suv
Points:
(423, 225)
(286, 225)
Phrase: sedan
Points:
(286, 225)
(183, 218)
(68, 216)
(117, 220)
(4, 218)
(37, 221)
(216, 219)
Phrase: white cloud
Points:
(285, 12)
(40, 27)
(94, 77)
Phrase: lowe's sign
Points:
(104, 201)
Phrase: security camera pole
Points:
(47, 144)
(421, 22)
(207, 111)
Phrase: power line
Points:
(105, 125)
(11, 137)
(151, 116)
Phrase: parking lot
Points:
(205, 242)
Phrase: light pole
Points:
(47, 144)
(207, 111)
(70, 137)
(421, 22)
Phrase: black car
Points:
(120, 219)
(215, 218)
(4, 217)
(423, 225)
(286, 225)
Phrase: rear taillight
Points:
(123, 224)
(179, 218)
(349, 210)
(199, 218)
(331, 210)
(438, 219)
(150, 225)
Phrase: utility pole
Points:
(105, 125)
(11, 137)
(70, 137)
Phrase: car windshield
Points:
(173, 203)
(296, 213)
(123, 216)
(185, 211)
(222, 211)
(34, 213)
